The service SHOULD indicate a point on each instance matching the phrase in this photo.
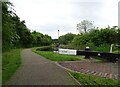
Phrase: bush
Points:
(45, 48)
(103, 48)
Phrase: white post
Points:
(111, 48)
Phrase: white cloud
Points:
(47, 16)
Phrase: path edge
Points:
(68, 72)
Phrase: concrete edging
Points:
(68, 72)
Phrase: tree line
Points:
(15, 33)
(98, 39)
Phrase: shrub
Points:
(45, 48)
(103, 48)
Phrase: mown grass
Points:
(10, 62)
(94, 81)
(57, 57)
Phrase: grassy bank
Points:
(10, 63)
(92, 81)
(57, 57)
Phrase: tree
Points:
(67, 38)
(85, 26)
(41, 40)
(9, 35)
(46, 40)
(15, 32)
(37, 38)
(98, 37)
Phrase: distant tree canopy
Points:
(67, 38)
(16, 34)
(84, 26)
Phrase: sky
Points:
(49, 16)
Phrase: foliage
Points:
(67, 38)
(104, 36)
(55, 41)
(69, 46)
(45, 48)
(41, 40)
(16, 34)
(103, 48)
(57, 57)
(10, 63)
(92, 80)
(8, 32)
(85, 26)
(46, 40)
(98, 39)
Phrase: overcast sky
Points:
(47, 16)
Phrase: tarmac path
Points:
(36, 70)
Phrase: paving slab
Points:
(103, 69)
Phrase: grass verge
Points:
(57, 57)
(10, 62)
(93, 81)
